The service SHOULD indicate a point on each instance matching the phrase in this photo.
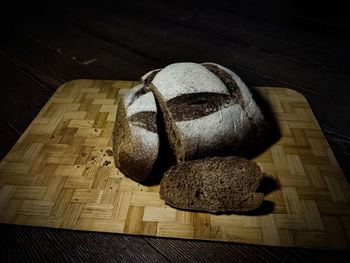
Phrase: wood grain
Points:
(60, 174)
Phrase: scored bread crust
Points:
(214, 130)
(148, 77)
(186, 78)
(219, 184)
(257, 122)
(135, 137)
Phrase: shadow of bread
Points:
(271, 132)
(265, 209)
(166, 157)
(267, 185)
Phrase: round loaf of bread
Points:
(135, 137)
(207, 110)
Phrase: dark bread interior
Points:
(213, 184)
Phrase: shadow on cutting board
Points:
(165, 158)
(271, 133)
(267, 185)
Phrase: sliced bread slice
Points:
(219, 184)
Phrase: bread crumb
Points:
(106, 163)
(109, 152)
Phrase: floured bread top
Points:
(146, 142)
(250, 107)
(144, 103)
(135, 137)
(187, 78)
(133, 93)
(214, 134)
(141, 108)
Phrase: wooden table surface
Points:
(43, 46)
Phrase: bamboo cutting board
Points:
(61, 174)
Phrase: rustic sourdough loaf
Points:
(135, 137)
(218, 184)
(207, 109)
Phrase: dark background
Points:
(303, 45)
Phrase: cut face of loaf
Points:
(135, 137)
(208, 110)
(219, 184)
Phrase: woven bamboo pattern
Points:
(61, 174)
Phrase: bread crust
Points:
(230, 127)
(135, 137)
